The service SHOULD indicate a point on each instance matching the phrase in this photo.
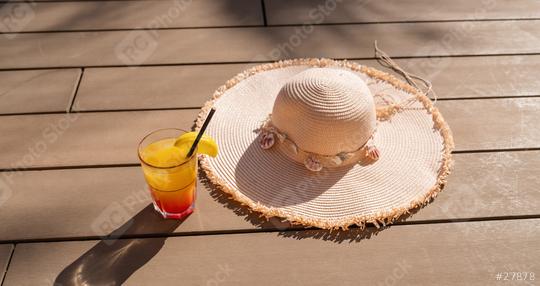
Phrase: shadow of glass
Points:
(113, 260)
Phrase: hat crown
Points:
(325, 111)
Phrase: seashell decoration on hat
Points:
(323, 118)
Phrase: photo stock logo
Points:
(111, 219)
(224, 271)
(139, 45)
(35, 150)
(116, 218)
(400, 270)
(5, 192)
(315, 16)
(14, 16)
(449, 42)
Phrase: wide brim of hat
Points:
(415, 146)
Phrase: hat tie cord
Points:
(424, 86)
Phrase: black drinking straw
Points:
(201, 132)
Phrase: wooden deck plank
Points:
(284, 12)
(82, 139)
(37, 90)
(99, 15)
(190, 86)
(97, 202)
(111, 137)
(5, 255)
(259, 44)
(488, 185)
(476, 77)
(152, 87)
(493, 124)
(400, 255)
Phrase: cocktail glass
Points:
(171, 178)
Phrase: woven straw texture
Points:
(325, 112)
(415, 146)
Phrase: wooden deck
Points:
(76, 96)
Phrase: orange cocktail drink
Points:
(170, 174)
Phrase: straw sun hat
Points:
(326, 143)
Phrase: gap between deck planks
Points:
(166, 87)
(441, 254)
(289, 12)
(90, 203)
(32, 91)
(104, 138)
(100, 15)
(222, 45)
(6, 250)
(191, 86)
(104, 15)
